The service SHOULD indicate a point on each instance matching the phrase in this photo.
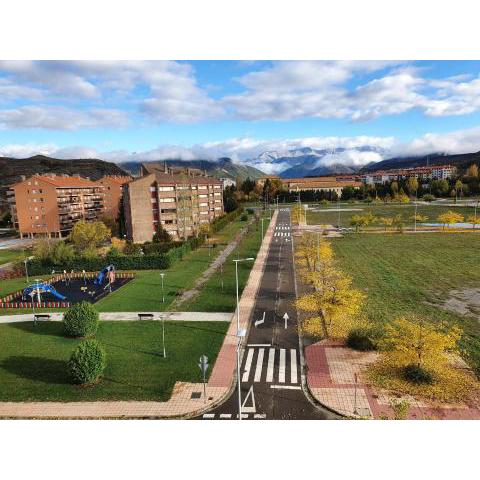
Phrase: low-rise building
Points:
(331, 184)
(178, 200)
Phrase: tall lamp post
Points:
(26, 268)
(240, 335)
(163, 335)
(262, 226)
(163, 291)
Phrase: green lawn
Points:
(7, 256)
(212, 298)
(403, 274)
(329, 213)
(33, 360)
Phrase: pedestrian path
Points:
(278, 366)
(132, 316)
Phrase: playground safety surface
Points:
(77, 290)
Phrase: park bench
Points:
(145, 316)
(40, 316)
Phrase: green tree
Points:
(161, 235)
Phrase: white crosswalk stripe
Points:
(293, 365)
(281, 370)
(258, 369)
(271, 358)
(248, 365)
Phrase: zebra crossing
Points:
(269, 365)
(282, 230)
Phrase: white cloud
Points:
(60, 118)
(165, 91)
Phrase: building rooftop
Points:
(62, 181)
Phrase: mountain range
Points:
(307, 161)
(221, 168)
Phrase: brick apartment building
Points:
(113, 191)
(180, 199)
(51, 204)
(434, 172)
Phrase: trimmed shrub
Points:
(428, 198)
(87, 362)
(244, 217)
(250, 211)
(361, 339)
(81, 320)
(416, 374)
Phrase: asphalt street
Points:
(271, 367)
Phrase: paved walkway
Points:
(219, 260)
(331, 373)
(187, 399)
(129, 316)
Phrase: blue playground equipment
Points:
(32, 290)
(101, 276)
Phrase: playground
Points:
(66, 288)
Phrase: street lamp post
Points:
(163, 291)
(26, 268)
(262, 227)
(163, 335)
(240, 335)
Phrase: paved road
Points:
(271, 373)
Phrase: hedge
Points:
(158, 256)
(121, 262)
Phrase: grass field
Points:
(212, 298)
(404, 274)
(329, 213)
(7, 256)
(33, 360)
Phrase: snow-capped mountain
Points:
(308, 161)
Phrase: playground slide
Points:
(101, 275)
(42, 288)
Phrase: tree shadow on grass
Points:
(54, 329)
(45, 370)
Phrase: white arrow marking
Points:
(262, 320)
(286, 317)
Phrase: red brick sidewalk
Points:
(331, 372)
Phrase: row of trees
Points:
(360, 222)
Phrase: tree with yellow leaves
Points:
(334, 302)
(449, 218)
(474, 220)
(386, 222)
(296, 214)
(413, 341)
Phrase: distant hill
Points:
(461, 161)
(221, 168)
(12, 169)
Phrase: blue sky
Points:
(154, 110)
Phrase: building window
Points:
(167, 200)
(165, 189)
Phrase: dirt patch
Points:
(465, 301)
